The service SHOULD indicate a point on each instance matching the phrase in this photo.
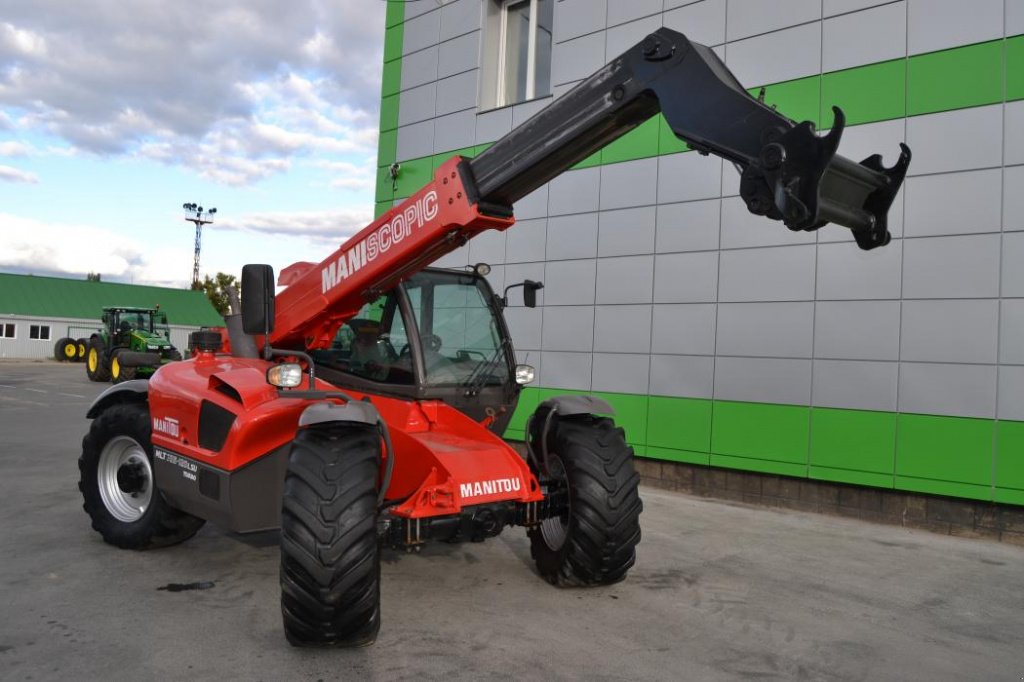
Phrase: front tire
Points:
(118, 487)
(65, 350)
(95, 365)
(594, 541)
(330, 557)
(120, 373)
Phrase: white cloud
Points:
(332, 226)
(12, 148)
(9, 174)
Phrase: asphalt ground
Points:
(720, 591)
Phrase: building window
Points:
(519, 32)
(8, 331)
(39, 331)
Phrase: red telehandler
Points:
(363, 406)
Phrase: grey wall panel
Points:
(751, 17)
(517, 272)
(688, 226)
(566, 370)
(950, 331)
(488, 247)
(833, 233)
(1013, 263)
(525, 110)
(940, 145)
(795, 53)
(417, 104)
(951, 267)
(1011, 331)
(766, 329)
(575, 192)
(524, 243)
(834, 7)
(420, 32)
(847, 273)
(741, 228)
(626, 232)
(419, 7)
(703, 22)
(855, 385)
(686, 277)
(568, 328)
(496, 278)
(453, 259)
(458, 55)
(954, 390)
(857, 330)
(569, 282)
(577, 58)
(682, 376)
(419, 68)
(781, 273)
(578, 17)
(845, 43)
(459, 17)
(454, 131)
(572, 236)
(977, 206)
(763, 380)
(683, 328)
(624, 36)
(621, 372)
(456, 93)
(1014, 17)
(1015, 130)
(493, 124)
(626, 279)
(415, 141)
(622, 328)
(688, 176)
(1013, 198)
(525, 325)
(621, 12)
(1011, 393)
(633, 183)
(534, 204)
(940, 24)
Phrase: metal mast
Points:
(194, 214)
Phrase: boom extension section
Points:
(788, 173)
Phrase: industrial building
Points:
(722, 340)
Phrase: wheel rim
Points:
(115, 368)
(70, 350)
(555, 531)
(125, 479)
(93, 359)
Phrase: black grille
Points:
(214, 424)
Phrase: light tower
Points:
(194, 214)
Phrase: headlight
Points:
(524, 374)
(152, 347)
(285, 375)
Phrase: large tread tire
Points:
(330, 556)
(65, 350)
(96, 367)
(594, 542)
(160, 525)
(118, 372)
(83, 349)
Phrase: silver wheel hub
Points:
(555, 530)
(125, 479)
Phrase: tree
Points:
(92, 277)
(216, 290)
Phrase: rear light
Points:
(285, 375)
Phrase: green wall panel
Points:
(953, 79)
(387, 148)
(438, 159)
(867, 93)
(391, 81)
(630, 414)
(413, 175)
(798, 99)
(639, 143)
(853, 439)
(674, 455)
(944, 455)
(1010, 455)
(380, 208)
(395, 13)
(679, 424)
(385, 191)
(760, 431)
(1015, 68)
(389, 113)
(393, 43)
(764, 466)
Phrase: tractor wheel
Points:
(65, 350)
(95, 366)
(82, 346)
(174, 356)
(119, 372)
(117, 483)
(330, 558)
(594, 541)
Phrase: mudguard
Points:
(136, 390)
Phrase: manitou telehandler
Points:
(363, 407)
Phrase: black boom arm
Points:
(788, 172)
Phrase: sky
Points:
(113, 113)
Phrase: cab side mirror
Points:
(530, 289)
(257, 299)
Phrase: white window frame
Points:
(40, 329)
(531, 52)
(3, 330)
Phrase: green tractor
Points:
(133, 343)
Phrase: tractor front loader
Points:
(363, 406)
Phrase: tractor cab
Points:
(439, 335)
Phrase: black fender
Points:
(134, 391)
(354, 411)
(563, 406)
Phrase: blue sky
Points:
(113, 114)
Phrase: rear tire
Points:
(82, 345)
(117, 484)
(119, 372)
(65, 350)
(95, 365)
(594, 541)
(330, 557)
